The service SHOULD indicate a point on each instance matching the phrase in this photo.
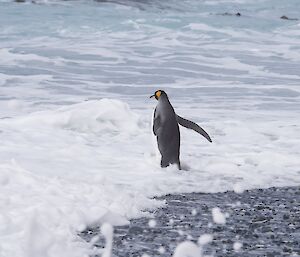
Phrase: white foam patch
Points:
(103, 116)
(44, 206)
(14, 58)
(218, 216)
(205, 239)
(187, 249)
(237, 246)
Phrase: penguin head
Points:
(158, 94)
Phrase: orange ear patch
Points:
(158, 94)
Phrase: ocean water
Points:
(75, 114)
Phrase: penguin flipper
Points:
(192, 125)
(156, 123)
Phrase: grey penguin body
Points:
(166, 130)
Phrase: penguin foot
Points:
(165, 164)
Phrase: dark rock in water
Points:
(230, 14)
(265, 222)
(287, 18)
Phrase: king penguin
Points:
(166, 129)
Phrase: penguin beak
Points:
(152, 96)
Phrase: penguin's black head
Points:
(158, 94)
